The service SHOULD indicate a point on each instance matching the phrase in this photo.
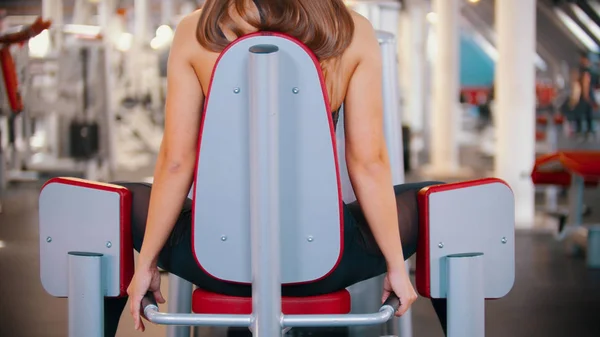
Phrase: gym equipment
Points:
(575, 170)
(274, 169)
(466, 250)
(11, 103)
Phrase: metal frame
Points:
(575, 210)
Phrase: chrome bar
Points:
(264, 189)
(314, 321)
(154, 316)
(292, 321)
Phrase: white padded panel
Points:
(78, 219)
(310, 204)
(473, 220)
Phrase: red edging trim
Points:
(423, 268)
(126, 242)
(333, 138)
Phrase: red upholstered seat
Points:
(540, 135)
(543, 120)
(204, 302)
(556, 168)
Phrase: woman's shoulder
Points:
(365, 44)
(364, 39)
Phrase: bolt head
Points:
(504, 240)
(296, 91)
(108, 244)
(310, 239)
(441, 245)
(48, 239)
(237, 90)
(223, 238)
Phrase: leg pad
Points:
(77, 215)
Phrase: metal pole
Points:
(593, 247)
(391, 102)
(106, 9)
(393, 134)
(180, 301)
(264, 189)
(552, 140)
(576, 200)
(466, 297)
(86, 297)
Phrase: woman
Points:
(381, 232)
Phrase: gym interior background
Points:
(485, 89)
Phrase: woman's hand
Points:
(145, 279)
(398, 281)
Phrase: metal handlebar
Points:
(151, 312)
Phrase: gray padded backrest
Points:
(311, 214)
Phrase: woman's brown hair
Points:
(324, 26)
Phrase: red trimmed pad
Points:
(543, 120)
(126, 244)
(205, 302)
(331, 128)
(423, 277)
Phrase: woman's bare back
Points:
(337, 73)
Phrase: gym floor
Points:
(554, 294)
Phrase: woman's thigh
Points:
(361, 258)
(177, 256)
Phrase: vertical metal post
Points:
(86, 296)
(106, 9)
(391, 103)
(393, 135)
(466, 296)
(264, 189)
(593, 247)
(180, 301)
(576, 200)
(552, 140)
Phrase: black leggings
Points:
(361, 259)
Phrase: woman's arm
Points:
(173, 174)
(366, 151)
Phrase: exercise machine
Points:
(13, 115)
(576, 171)
(267, 202)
